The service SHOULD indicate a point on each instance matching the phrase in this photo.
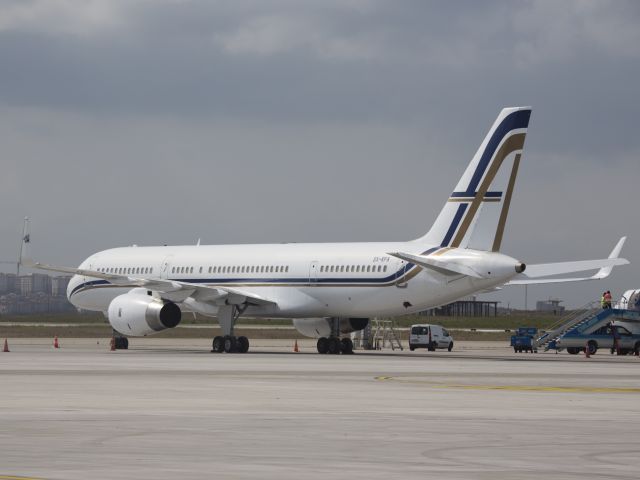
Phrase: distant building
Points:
(24, 285)
(467, 307)
(551, 305)
(59, 286)
(40, 283)
(7, 283)
(33, 294)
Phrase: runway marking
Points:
(520, 388)
(9, 477)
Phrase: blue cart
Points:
(523, 340)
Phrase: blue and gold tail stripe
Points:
(514, 121)
(458, 197)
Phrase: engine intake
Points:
(138, 314)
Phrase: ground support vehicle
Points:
(524, 340)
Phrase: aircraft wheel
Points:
(334, 345)
(243, 344)
(323, 345)
(218, 345)
(230, 344)
(346, 345)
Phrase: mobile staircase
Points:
(384, 331)
(576, 319)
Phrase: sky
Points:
(160, 122)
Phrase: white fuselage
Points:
(303, 280)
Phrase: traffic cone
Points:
(55, 342)
(6, 346)
(113, 344)
(295, 346)
(586, 350)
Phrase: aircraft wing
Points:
(173, 290)
(534, 273)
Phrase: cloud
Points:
(555, 31)
(74, 17)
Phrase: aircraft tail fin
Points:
(476, 212)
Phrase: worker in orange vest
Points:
(607, 299)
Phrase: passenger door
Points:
(313, 273)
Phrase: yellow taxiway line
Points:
(516, 388)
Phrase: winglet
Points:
(604, 272)
(25, 260)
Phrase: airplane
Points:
(328, 289)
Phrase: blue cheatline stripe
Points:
(513, 121)
(466, 194)
(303, 281)
(454, 224)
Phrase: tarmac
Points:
(167, 409)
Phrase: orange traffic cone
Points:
(55, 342)
(113, 344)
(295, 346)
(6, 346)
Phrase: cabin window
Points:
(286, 269)
(358, 268)
(322, 269)
(385, 268)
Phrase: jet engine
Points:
(321, 327)
(137, 314)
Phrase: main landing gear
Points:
(229, 343)
(334, 344)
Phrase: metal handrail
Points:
(568, 321)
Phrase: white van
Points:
(429, 337)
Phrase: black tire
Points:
(323, 345)
(636, 349)
(218, 345)
(243, 344)
(411, 348)
(334, 345)
(515, 349)
(592, 346)
(573, 350)
(346, 346)
(450, 346)
(230, 344)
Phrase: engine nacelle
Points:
(138, 314)
(321, 327)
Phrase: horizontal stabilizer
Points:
(548, 269)
(534, 273)
(441, 266)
